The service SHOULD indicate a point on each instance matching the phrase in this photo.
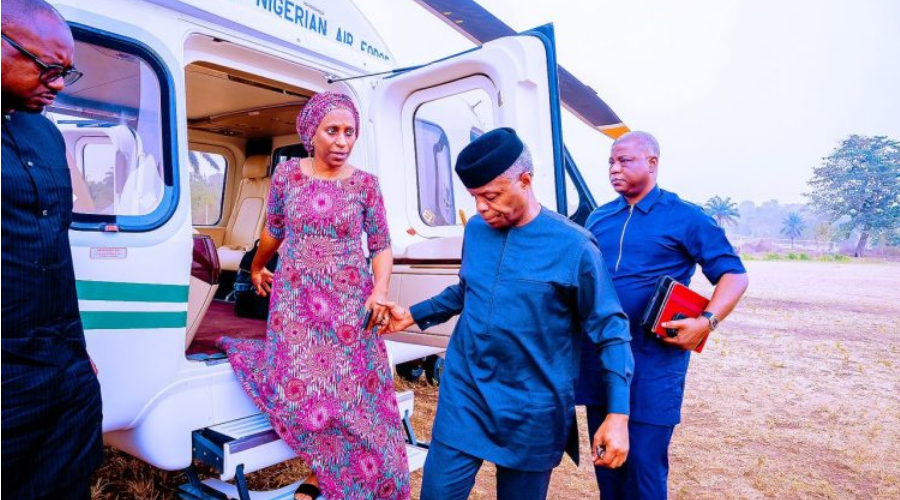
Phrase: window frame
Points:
(586, 201)
(443, 134)
(168, 137)
(81, 146)
(410, 108)
(225, 153)
(274, 155)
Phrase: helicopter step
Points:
(236, 448)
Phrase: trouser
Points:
(644, 476)
(52, 417)
(80, 490)
(450, 475)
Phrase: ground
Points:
(797, 396)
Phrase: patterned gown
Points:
(323, 381)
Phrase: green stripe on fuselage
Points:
(130, 320)
(131, 292)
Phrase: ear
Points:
(525, 179)
(654, 163)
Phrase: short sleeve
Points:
(709, 247)
(375, 221)
(275, 210)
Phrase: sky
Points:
(745, 97)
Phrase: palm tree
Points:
(793, 226)
(723, 210)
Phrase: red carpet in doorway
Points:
(221, 321)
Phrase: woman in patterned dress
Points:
(320, 376)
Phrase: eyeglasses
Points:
(49, 72)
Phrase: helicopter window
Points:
(442, 128)
(208, 176)
(114, 125)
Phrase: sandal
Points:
(308, 489)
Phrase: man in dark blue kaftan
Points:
(645, 234)
(531, 285)
(51, 398)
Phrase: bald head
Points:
(21, 16)
(42, 34)
(632, 165)
(643, 140)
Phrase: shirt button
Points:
(29, 163)
(44, 213)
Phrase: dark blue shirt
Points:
(38, 277)
(661, 235)
(51, 397)
(526, 297)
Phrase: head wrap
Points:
(315, 110)
(488, 156)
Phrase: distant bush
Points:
(763, 246)
(835, 257)
(797, 256)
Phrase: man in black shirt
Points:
(51, 411)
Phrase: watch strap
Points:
(713, 320)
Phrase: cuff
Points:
(722, 266)
(420, 313)
(618, 394)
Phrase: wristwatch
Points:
(713, 320)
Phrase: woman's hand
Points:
(262, 281)
(380, 313)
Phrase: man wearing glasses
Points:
(51, 412)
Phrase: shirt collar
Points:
(655, 195)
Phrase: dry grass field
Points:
(796, 397)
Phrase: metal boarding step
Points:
(249, 444)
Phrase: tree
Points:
(858, 186)
(824, 233)
(724, 211)
(793, 226)
(886, 237)
(206, 188)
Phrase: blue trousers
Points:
(450, 475)
(646, 472)
(52, 421)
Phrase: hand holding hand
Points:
(691, 331)
(399, 318)
(380, 312)
(612, 440)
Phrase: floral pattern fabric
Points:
(323, 381)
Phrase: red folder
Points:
(673, 301)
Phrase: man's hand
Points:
(612, 439)
(691, 331)
(399, 318)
